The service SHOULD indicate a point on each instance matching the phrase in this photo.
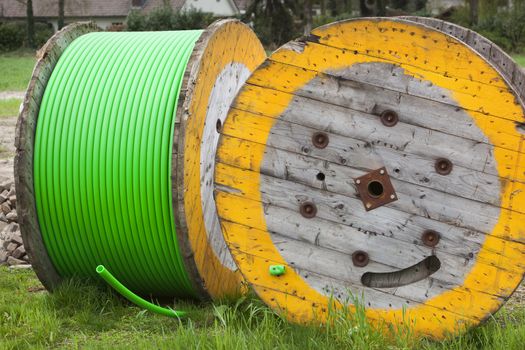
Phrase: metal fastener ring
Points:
(360, 258)
(308, 210)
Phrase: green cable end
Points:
(135, 299)
(277, 270)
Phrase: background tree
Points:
(273, 20)
(30, 25)
(30, 22)
(60, 14)
(474, 12)
(307, 16)
(381, 7)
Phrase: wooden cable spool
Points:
(380, 159)
(222, 59)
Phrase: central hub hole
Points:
(375, 189)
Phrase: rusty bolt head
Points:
(389, 118)
(430, 238)
(308, 210)
(320, 139)
(443, 166)
(360, 258)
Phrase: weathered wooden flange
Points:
(47, 58)
(222, 59)
(449, 251)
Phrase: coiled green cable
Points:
(102, 159)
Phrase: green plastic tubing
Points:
(102, 159)
(135, 299)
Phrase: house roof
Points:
(153, 4)
(89, 8)
(72, 8)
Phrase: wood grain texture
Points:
(452, 103)
(47, 58)
(205, 254)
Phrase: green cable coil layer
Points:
(102, 160)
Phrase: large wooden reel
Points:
(381, 159)
(222, 59)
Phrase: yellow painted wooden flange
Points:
(223, 58)
(307, 124)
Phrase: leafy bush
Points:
(136, 21)
(191, 19)
(13, 35)
(505, 27)
(164, 18)
(43, 31)
(322, 20)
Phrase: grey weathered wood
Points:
(338, 266)
(412, 198)
(332, 273)
(366, 126)
(348, 213)
(47, 58)
(415, 167)
(329, 93)
(223, 92)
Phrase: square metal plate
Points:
(375, 189)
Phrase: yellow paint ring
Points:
(224, 43)
(412, 47)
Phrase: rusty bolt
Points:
(360, 258)
(308, 210)
(443, 166)
(320, 140)
(389, 118)
(430, 238)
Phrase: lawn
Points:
(78, 315)
(16, 68)
(9, 108)
(520, 59)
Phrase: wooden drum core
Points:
(377, 159)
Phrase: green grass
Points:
(16, 68)
(82, 316)
(9, 108)
(520, 59)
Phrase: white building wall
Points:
(217, 7)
